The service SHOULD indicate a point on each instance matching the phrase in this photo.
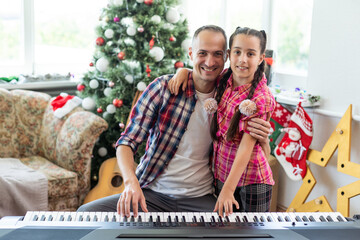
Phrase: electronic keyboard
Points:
(179, 225)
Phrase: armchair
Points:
(59, 148)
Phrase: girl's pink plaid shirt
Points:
(258, 169)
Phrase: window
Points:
(287, 23)
(48, 36)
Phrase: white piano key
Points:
(29, 216)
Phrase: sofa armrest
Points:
(75, 142)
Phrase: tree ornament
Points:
(95, 178)
(141, 86)
(172, 15)
(107, 92)
(121, 125)
(111, 109)
(99, 110)
(100, 41)
(102, 152)
(106, 19)
(80, 87)
(111, 84)
(152, 42)
(131, 31)
(118, 102)
(129, 78)
(178, 64)
(91, 64)
(148, 2)
(141, 29)
(94, 84)
(88, 103)
(157, 53)
(140, 1)
(102, 64)
(172, 38)
(129, 42)
(121, 55)
(186, 44)
(117, 2)
(109, 33)
(168, 26)
(116, 19)
(148, 70)
(156, 19)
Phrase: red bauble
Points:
(178, 64)
(80, 87)
(148, 2)
(172, 38)
(100, 41)
(148, 70)
(91, 64)
(99, 110)
(121, 55)
(118, 102)
(151, 42)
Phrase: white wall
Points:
(334, 75)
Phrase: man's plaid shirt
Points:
(163, 117)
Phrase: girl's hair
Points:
(234, 123)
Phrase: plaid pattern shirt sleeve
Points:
(161, 118)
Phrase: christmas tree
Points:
(137, 41)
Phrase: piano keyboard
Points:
(186, 217)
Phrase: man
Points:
(174, 174)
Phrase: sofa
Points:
(60, 148)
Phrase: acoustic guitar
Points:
(110, 178)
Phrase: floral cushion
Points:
(61, 182)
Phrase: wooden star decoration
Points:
(340, 139)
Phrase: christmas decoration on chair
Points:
(132, 48)
(292, 149)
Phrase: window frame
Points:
(28, 41)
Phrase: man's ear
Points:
(227, 55)
(191, 53)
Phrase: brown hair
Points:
(234, 123)
(213, 28)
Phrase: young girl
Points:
(241, 170)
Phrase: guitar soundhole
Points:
(116, 181)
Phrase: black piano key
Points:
(305, 219)
(35, 218)
(340, 219)
(322, 219)
(269, 219)
(202, 219)
(298, 219)
(62, 218)
(87, 218)
(158, 219)
(287, 219)
(212, 219)
(132, 219)
(220, 219)
(139, 219)
(169, 219)
(106, 219)
(256, 219)
(329, 218)
(95, 218)
(183, 218)
(50, 218)
(113, 219)
(176, 218)
(69, 218)
(194, 219)
(280, 219)
(312, 219)
(42, 218)
(245, 219)
(124, 219)
(151, 219)
(262, 219)
(227, 219)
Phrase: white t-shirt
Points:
(188, 173)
